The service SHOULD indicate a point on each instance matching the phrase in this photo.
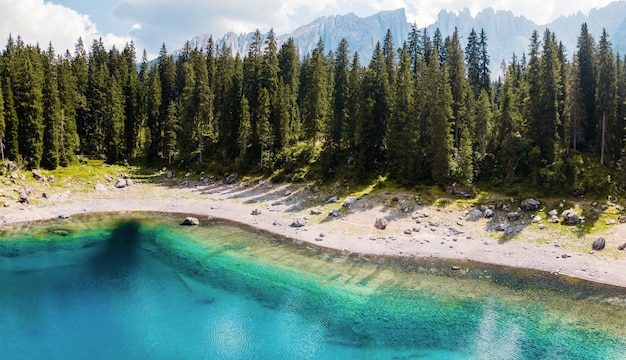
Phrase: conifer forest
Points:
(426, 110)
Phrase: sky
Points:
(150, 23)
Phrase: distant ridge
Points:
(507, 33)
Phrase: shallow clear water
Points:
(99, 287)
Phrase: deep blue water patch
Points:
(107, 287)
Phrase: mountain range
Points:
(507, 33)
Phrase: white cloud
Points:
(42, 22)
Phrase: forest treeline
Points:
(426, 110)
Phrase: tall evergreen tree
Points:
(11, 121)
(484, 78)
(402, 132)
(27, 92)
(315, 107)
(605, 100)
(340, 99)
(51, 111)
(68, 97)
(472, 58)
(375, 111)
(586, 62)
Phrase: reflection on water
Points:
(147, 289)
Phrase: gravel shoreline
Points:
(275, 208)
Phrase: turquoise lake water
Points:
(100, 287)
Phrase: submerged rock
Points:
(190, 221)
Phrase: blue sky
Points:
(149, 23)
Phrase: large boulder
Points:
(381, 223)
(189, 221)
(570, 217)
(598, 244)
(530, 204)
(489, 213)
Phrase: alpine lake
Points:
(139, 286)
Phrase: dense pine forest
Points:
(427, 110)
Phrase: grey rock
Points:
(554, 219)
(190, 221)
(622, 219)
(514, 216)
(37, 175)
(64, 216)
(553, 212)
(51, 178)
(100, 188)
(12, 167)
(530, 204)
(570, 217)
(598, 244)
(120, 183)
(537, 219)
(129, 182)
(315, 212)
(255, 212)
(297, 223)
(408, 232)
(14, 175)
(44, 195)
(474, 215)
(169, 175)
(231, 179)
(489, 213)
(332, 200)
(500, 227)
(348, 202)
(24, 197)
(334, 213)
(381, 223)
(622, 247)
(287, 193)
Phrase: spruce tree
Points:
(28, 85)
(68, 94)
(51, 111)
(402, 132)
(472, 58)
(586, 62)
(605, 100)
(11, 121)
(376, 107)
(315, 107)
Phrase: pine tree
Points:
(2, 123)
(315, 107)
(458, 83)
(402, 133)
(484, 78)
(605, 99)
(68, 132)
(389, 54)
(11, 121)
(80, 74)
(439, 141)
(340, 99)
(575, 106)
(171, 130)
(51, 111)
(289, 64)
(113, 123)
(264, 128)
(472, 58)
(245, 133)
(353, 106)
(130, 87)
(586, 62)
(376, 106)
(27, 92)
